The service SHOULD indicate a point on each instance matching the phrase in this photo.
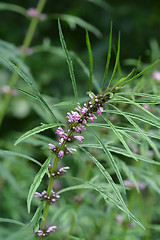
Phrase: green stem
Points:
(26, 44)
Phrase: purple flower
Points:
(71, 150)
(79, 138)
(51, 147)
(51, 229)
(74, 117)
(33, 13)
(79, 129)
(156, 76)
(6, 89)
(146, 106)
(129, 183)
(61, 154)
(119, 219)
(99, 110)
(37, 194)
(92, 116)
(61, 133)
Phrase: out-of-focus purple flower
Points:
(14, 92)
(129, 183)
(156, 76)
(27, 51)
(6, 89)
(146, 106)
(91, 116)
(61, 154)
(80, 138)
(119, 219)
(33, 13)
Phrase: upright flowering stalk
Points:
(76, 124)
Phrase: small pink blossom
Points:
(74, 117)
(146, 106)
(119, 219)
(33, 13)
(129, 183)
(79, 138)
(156, 76)
(61, 133)
(71, 150)
(79, 129)
(51, 146)
(99, 110)
(61, 154)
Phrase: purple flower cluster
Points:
(120, 221)
(76, 121)
(44, 197)
(58, 172)
(44, 233)
(33, 13)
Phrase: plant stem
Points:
(26, 44)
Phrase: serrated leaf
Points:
(69, 61)
(37, 180)
(36, 218)
(111, 159)
(36, 130)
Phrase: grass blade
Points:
(90, 60)
(108, 57)
(116, 63)
(37, 181)
(69, 61)
(36, 130)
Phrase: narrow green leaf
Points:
(27, 93)
(36, 130)
(108, 57)
(106, 175)
(36, 218)
(30, 83)
(140, 131)
(137, 117)
(139, 106)
(111, 159)
(123, 79)
(90, 59)
(37, 180)
(9, 153)
(69, 61)
(7, 220)
(121, 152)
(116, 63)
(139, 74)
(13, 7)
(120, 137)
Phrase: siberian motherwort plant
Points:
(79, 120)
